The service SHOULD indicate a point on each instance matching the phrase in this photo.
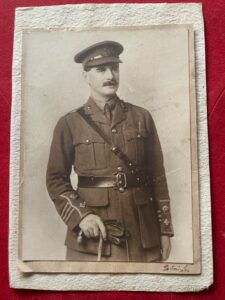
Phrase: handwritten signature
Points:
(176, 268)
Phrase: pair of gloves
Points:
(116, 233)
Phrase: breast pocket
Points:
(136, 145)
(90, 152)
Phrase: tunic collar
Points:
(97, 115)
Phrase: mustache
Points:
(110, 83)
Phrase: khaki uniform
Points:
(143, 210)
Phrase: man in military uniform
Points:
(120, 210)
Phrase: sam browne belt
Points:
(120, 181)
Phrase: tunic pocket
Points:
(90, 153)
(136, 145)
(94, 197)
(148, 222)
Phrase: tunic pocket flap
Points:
(94, 197)
(89, 139)
(135, 134)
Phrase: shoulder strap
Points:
(114, 148)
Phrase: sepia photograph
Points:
(108, 166)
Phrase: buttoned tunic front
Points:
(144, 211)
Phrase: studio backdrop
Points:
(154, 74)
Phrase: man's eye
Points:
(101, 69)
(115, 68)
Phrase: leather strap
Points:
(120, 180)
(114, 148)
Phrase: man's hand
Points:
(91, 225)
(166, 247)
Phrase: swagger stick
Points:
(100, 247)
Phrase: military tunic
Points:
(143, 210)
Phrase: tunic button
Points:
(138, 136)
(87, 141)
(121, 190)
(114, 149)
(120, 169)
(114, 130)
(165, 208)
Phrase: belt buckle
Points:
(121, 181)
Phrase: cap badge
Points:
(96, 57)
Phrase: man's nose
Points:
(109, 73)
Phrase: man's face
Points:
(103, 80)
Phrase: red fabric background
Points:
(214, 16)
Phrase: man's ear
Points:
(85, 76)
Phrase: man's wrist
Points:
(77, 227)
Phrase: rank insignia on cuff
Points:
(164, 217)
